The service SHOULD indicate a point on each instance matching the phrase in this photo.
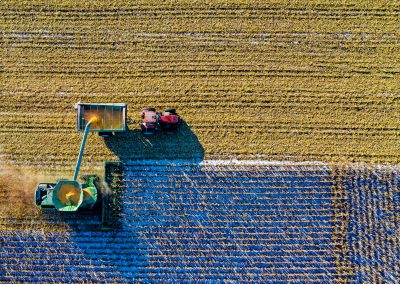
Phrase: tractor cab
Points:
(149, 124)
(154, 121)
(169, 120)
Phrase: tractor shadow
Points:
(180, 144)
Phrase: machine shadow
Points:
(132, 145)
(80, 220)
(118, 253)
(178, 145)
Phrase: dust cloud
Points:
(17, 188)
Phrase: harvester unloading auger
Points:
(71, 195)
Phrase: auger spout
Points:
(85, 134)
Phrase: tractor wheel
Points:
(149, 109)
(170, 110)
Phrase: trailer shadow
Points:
(180, 144)
(121, 253)
(130, 146)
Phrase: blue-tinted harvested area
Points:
(225, 222)
(189, 222)
(233, 223)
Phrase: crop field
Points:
(248, 221)
(285, 169)
(373, 232)
(299, 80)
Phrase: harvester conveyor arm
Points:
(78, 162)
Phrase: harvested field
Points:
(276, 80)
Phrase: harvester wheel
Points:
(170, 110)
(149, 109)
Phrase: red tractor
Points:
(154, 121)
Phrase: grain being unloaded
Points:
(69, 194)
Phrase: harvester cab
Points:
(71, 195)
(67, 195)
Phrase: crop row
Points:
(201, 18)
(60, 148)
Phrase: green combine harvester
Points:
(71, 195)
